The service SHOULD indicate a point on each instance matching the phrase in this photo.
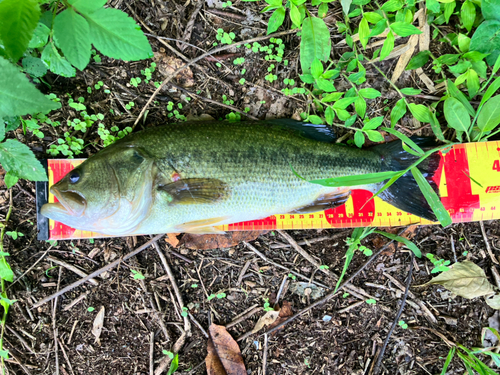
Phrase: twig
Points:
(151, 353)
(244, 317)
(264, 357)
(20, 338)
(309, 241)
(98, 272)
(29, 269)
(398, 315)
(453, 248)
(54, 328)
(197, 324)
(350, 307)
(243, 271)
(333, 293)
(485, 237)
(195, 60)
(70, 267)
(66, 356)
(76, 300)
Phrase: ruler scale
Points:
(468, 178)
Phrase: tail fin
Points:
(405, 193)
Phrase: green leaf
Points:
(315, 119)
(449, 8)
(40, 36)
(451, 353)
(398, 111)
(323, 10)
(316, 68)
(410, 245)
(489, 117)
(436, 128)
(5, 271)
(496, 66)
(363, 179)
(433, 6)
(275, 21)
(432, 198)
(174, 365)
(10, 180)
(56, 63)
(2, 129)
(359, 139)
(117, 35)
(315, 42)
(19, 19)
(369, 93)
(491, 90)
(332, 97)
(474, 56)
(392, 6)
(18, 96)
(71, 33)
(379, 28)
(388, 45)
(346, 4)
(404, 29)
(456, 115)
(490, 9)
(472, 83)
(87, 6)
(463, 43)
(373, 17)
(486, 39)
(18, 159)
(406, 140)
(448, 58)
(295, 15)
(410, 91)
(420, 112)
(360, 106)
(329, 115)
(4, 353)
(374, 123)
(325, 85)
(457, 94)
(419, 60)
(34, 66)
(364, 32)
(344, 103)
(468, 14)
(374, 136)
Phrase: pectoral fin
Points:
(324, 202)
(196, 190)
(202, 226)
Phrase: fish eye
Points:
(74, 176)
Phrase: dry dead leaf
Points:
(98, 324)
(424, 39)
(305, 289)
(265, 320)
(426, 80)
(224, 355)
(285, 313)
(404, 59)
(493, 301)
(217, 241)
(169, 64)
(172, 239)
(465, 279)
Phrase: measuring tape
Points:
(468, 178)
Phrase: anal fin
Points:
(205, 226)
(324, 202)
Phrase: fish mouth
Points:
(70, 202)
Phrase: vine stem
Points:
(2, 281)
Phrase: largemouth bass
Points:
(193, 176)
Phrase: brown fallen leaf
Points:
(216, 241)
(224, 355)
(98, 324)
(169, 64)
(285, 313)
(172, 239)
(265, 320)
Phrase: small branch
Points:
(98, 272)
(488, 247)
(398, 315)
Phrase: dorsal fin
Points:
(321, 133)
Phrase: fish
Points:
(194, 176)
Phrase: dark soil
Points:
(329, 339)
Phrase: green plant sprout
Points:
(137, 275)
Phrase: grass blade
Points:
(451, 353)
(405, 139)
(410, 245)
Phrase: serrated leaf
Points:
(410, 91)
(374, 136)
(369, 93)
(398, 111)
(431, 197)
(468, 14)
(456, 115)
(87, 6)
(364, 32)
(420, 112)
(275, 21)
(315, 43)
(18, 96)
(34, 66)
(388, 46)
(56, 63)
(465, 279)
(329, 115)
(419, 60)
(40, 36)
(359, 139)
(457, 94)
(17, 158)
(18, 21)
(117, 35)
(71, 33)
(404, 29)
(489, 117)
(360, 106)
